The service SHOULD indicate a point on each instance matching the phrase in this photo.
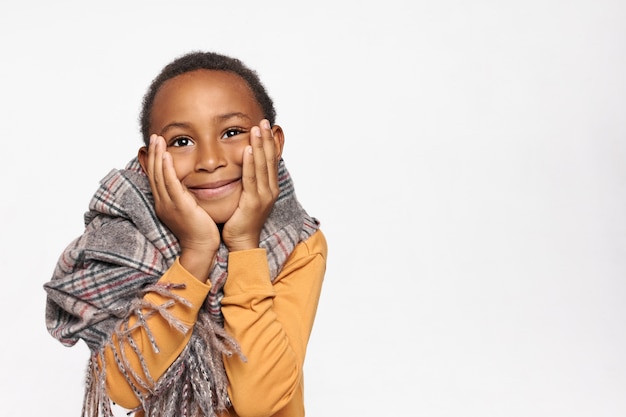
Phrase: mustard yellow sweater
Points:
(271, 321)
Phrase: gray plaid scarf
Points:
(101, 277)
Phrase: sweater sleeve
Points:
(170, 341)
(272, 323)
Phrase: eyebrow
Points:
(220, 118)
(231, 115)
(173, 125)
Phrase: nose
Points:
(210, 156)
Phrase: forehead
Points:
(206, 86)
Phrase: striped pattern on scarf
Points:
(101, 277)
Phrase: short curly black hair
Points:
(197, 60)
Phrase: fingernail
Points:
(266, 124)
(257, 132)
(249, 150)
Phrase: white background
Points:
(466, 160)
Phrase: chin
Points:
(220, 216)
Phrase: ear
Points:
(279, 140)
(142, 156)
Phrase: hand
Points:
(260, 190)
(178, 209)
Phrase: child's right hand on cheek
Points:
(177, 208)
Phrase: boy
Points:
(197, 279)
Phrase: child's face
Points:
(205, 118)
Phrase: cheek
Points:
(235, 153)
(182, 165)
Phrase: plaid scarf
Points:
(102, 276)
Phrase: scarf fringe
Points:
(96, 401)
(194, 385)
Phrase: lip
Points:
(214, 190)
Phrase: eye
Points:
(233, 131)
(181, 141)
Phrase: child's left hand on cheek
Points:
(260, 190)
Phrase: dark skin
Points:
(212, 164)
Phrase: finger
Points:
(173, 187)
(248, 174)
(150, 166)
(157, 166)
(271, 157)
(258, 142)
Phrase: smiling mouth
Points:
(215, 190)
